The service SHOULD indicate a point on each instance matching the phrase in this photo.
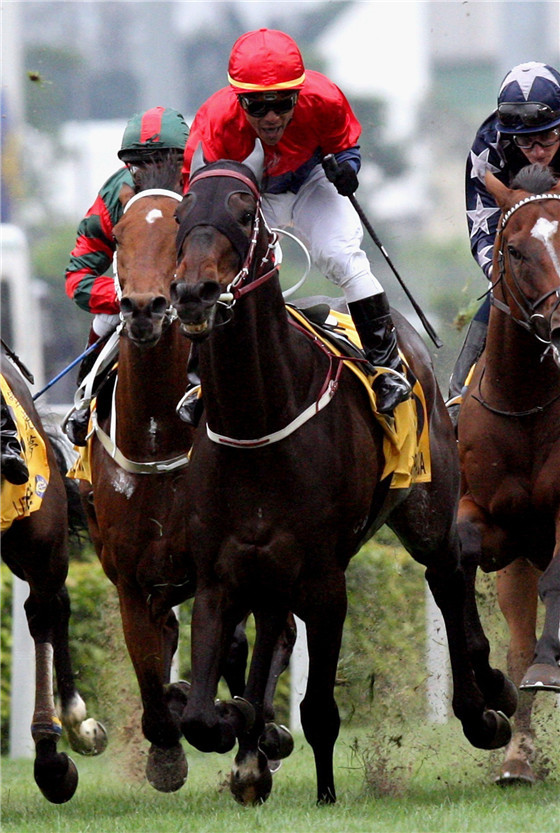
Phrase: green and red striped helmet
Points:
(158, 129)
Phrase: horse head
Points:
(527, 253)
(145, 253)
(223, 243)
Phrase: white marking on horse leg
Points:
(544, 230)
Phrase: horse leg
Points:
(276, 740)
(319, 713)
(235, 662)
(517, 597)
(55, 773)
(208, 725)
(251, 778)
(86, 735)
(166, 769)
(544, 672)
(484, 728)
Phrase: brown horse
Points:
(509, 442)
(282, 491)
(35, 548)
(138, 512)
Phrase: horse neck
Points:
(514, 364)
(255, 378)
(150, 384)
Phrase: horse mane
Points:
(159, 173)
(535, 179)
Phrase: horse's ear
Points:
(125, 194)
(198, 161)
(255, 161)
(499, 191)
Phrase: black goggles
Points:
(259, 107)
(526, 114)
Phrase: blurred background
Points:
(421, 77)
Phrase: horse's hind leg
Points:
(55, 773)
(86, 735)
(517, 598)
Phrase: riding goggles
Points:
(259, 107)
(545, 139)
(526, 114)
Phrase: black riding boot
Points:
(469, 355)
(14, 468)
(191, 406)
(76, 426)
(372, 318)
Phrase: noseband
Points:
(531, 318)
(253, 272)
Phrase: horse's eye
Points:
(514, 253)
(247, 218)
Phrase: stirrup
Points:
(190, 406)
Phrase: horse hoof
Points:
(495, 733)
(515, 772)
(276, 742)
(176, 697)
(57, 779)
(251, 780)
(541, 677)
(90, 738)
(507, 701)
(241, 710)
(167, 769)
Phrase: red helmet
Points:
(265, 60)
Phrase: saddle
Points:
(406, 442)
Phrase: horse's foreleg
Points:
(544, 672)
(517, 597)
(208, 726)
(147, 640)
(235, 662)
(319, 713)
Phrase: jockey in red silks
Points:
(301, 116)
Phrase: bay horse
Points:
(35, 548)
(275, 513)
(137, 512)
(509, 444)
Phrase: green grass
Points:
(426, 780)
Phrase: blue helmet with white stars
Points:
(529, 99)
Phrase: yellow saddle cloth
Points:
(20, 501)
(406, 441)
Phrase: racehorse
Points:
(285, 485)
(509, 444)
(35, 548)
(138, 469)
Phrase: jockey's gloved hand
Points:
(343, 177)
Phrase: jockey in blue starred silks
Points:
(524, 129)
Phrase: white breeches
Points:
(103, 323)
(328, 225)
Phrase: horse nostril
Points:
(127, 307)
(159, 306)
(208, 291)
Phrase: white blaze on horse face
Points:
(153, 215)
(544, 230)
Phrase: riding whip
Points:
(90, 349)
(330, 166)
(18, 362)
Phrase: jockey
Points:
(157, 134)
(524, 129)
(300, 116)
(14, 468)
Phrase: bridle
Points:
(252, 273)
(531, 319)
